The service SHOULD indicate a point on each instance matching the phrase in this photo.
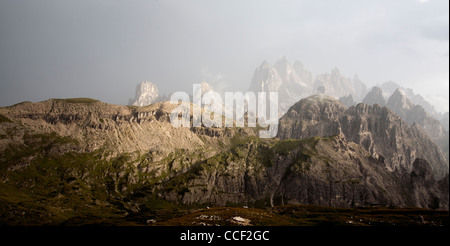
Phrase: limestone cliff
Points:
(146, 94)
(75, 159)
(383, 133)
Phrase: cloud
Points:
(81, 48)
(216, 80)
(440, 103)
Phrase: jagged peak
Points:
(347, 100)
(375, 96)
(375, 89)
(320, 99)
(399, 99)
(282, 60)
(205, 84)
(388, 88)
(265, 64)
(299, 64)
(146, 94)
(283, 67)
(399, 93)
(335, 70)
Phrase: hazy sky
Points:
(103, 49)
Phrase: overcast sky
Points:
(103, 49)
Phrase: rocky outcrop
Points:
(292, 82)
(114, 127)
(347, 101)
(337, 85)
(375, 96)
(146, 94)
(390, 87)
(380, 131)
(314, 116)
(411, 114)
(360, 89)
(88, 158)
(321, 171)
(444, 119)
(303, 73)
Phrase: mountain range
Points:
(294, 82)
(80, 160)
(83, 161)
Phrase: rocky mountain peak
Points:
(286, 71)
(390, 87)
(298, 65)
(445, 120)
(282, 64)
(146, 94)
(360, 89)
(347, 100)
(335, 73)
(379, 130)
(112, 159)
(311, 111)
(206, 87)
(375, 96)
(334, 84)
(265, 78)
(398, 101)
(304, 74)
(283, 78)
(417, 115)
(319, 104)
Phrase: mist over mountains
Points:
(93, 133)
(294, 82)
(338, 144)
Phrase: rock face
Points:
(360, 89)
(411, 114)
(305, 75)
(337, 85)
(347, 101)
(204, 88)
(146, 94)
(93, 159)
(120, 129)
(292, 82)
(375, 96)
(444, 119)
(313, 116)
(381, 132)
(322, 171)
(390, 87)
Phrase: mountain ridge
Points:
(63, 159)
(374, 127)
